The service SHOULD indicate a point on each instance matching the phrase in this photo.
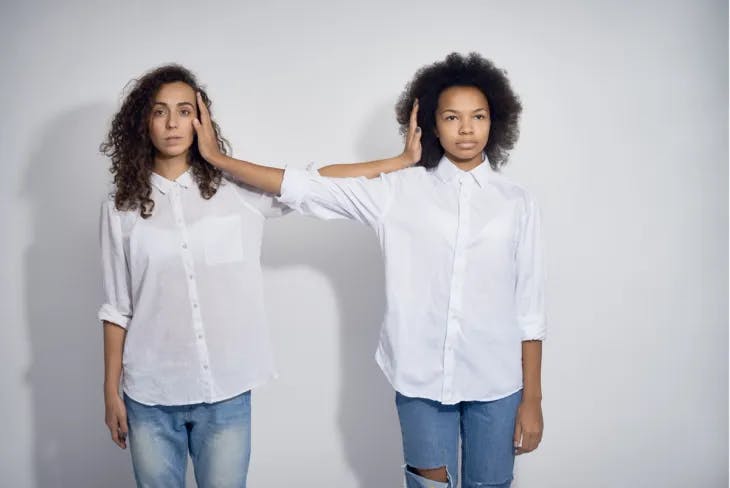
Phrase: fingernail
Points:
(418, 129)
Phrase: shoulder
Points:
(410, 174)
(228, 183)
(511, 189)
(125, 218)
(264, 204)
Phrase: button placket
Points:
(188, 263)
(455, 289)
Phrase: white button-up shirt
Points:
(464, 273)
(186, 283)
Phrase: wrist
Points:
(404, 161)
(531, 397)
(218, 160)
(111, 389)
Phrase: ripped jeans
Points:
(217, 435)
(431, 433)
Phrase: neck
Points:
(171, 167)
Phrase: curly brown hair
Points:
(130, 147)
(459, 70)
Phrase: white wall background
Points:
(624, 143)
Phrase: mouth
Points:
(173, 139)
(466, 144)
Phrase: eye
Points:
(158, 112)
(480, 116)
(450, 117)
(185, 112)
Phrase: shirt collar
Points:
(448, 171)
(185, 180)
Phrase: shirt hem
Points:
(215, 399)
(413, 393)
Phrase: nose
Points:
(172, 121)
(466, 127)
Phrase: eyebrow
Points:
(178, 104)
(473, 111)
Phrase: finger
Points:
(114, 431)
(203, 108)
(414, 114)
(413, 122)
(123, 426)
(122, 439)
(528, 443)
(196, 125)
(517, 437)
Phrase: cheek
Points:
(485, 130)
(444, 132)
(157, 129)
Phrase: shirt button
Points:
(205, 366)
(200, 336)
(185, 245)
(195, 305)
(190, 276)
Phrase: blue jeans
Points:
(431, 440)
(217, 435)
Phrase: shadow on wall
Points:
(66, 181)
(348, 254)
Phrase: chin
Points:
(463, 157)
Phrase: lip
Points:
(466, 144)
(173, 139)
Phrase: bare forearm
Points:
(370, 169)
(113, 347)
(265, 178)
(531, 370)
(269, 179)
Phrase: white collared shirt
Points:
(186, 283)
(463, 273)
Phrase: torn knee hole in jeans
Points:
(440, 474)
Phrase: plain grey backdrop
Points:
(624, 144)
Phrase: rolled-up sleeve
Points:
(362, 199)
(117, 307)
(530, 283)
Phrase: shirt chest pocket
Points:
(223, 240)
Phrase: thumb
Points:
(123, 423)
(517, 439)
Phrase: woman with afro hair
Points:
(461, 341)
(184, 321)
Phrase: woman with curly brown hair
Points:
(461, 339)
(184, 321)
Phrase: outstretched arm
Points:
(269, 179)
(410, 156)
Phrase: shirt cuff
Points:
(294, 187)
(108, 313)
(533, 327)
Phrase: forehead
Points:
(462, 96)
(175, 92)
